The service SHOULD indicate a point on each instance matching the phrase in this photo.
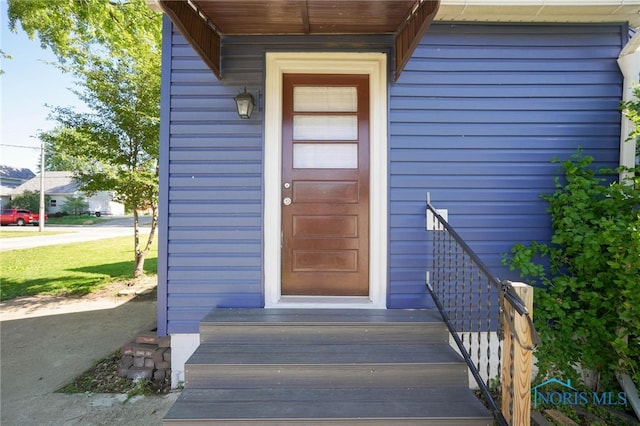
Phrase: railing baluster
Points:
(463, 302)
(489, 328)
(456, 277)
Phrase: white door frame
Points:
(375, 65)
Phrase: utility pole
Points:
(41, 212)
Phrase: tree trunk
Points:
(140, 255)
(138, 269)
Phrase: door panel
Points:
(325, 226)
(325, 211)
(325, 192)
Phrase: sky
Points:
(28, 83)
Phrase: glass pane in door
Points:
(324, 99)
(325, 156)
(325, 127)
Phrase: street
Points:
(71, 234)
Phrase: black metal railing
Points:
(471, 301)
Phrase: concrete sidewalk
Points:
(46, 343)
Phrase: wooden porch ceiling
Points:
(203, 22)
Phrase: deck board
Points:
(340, 376)
(363, 333)
(301, 404)
(321, 316)
(319, 354)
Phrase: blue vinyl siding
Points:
(476, 118)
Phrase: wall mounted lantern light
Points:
(245, 104)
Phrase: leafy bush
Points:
(75, 205)
(588, 308)
(28, 200)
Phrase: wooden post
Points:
(516, 361)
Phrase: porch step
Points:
(336, 366)
(286, 366)
(322, 326)
(448, 406)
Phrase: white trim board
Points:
(561, 11)
(374, 65)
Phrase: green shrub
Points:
(28, 200)
(588, 302)
(75, 205)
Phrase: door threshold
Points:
(325, 302)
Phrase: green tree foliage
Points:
(113, 49)
(57, 158)
(28, 200)
(588, 306)
(75, 205)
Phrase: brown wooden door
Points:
(325, 186)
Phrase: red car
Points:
(19, 217)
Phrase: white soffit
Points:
(585, 11)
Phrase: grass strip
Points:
(69, 269)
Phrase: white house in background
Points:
(61, 185)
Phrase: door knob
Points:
(286, 185)
(287, 201)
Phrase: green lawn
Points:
(69, 269)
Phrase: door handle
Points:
(286, 201)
